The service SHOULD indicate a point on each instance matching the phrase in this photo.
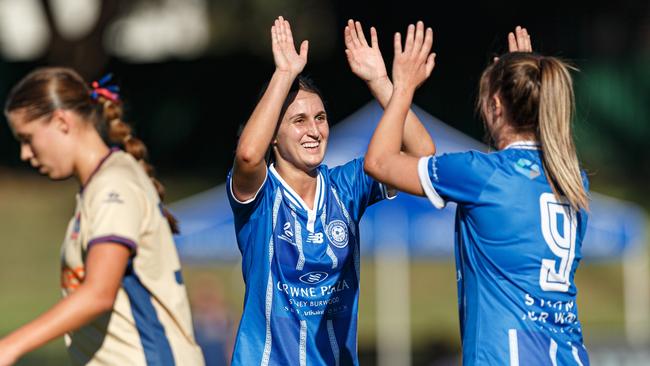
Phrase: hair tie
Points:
(101, 88)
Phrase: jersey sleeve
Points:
(455, 177)
(115, 213)
(358, 187)
(244, 209)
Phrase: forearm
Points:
(416, 139)
(387, 138)
(67, 315)
(260, 127)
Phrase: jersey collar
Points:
(295, 199)
(101, 162)
(524, 145)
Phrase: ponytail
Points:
(120, 133)
(556, 111)
(537, 94)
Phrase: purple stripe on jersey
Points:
(101, 162)
(133, 247)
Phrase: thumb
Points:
(304, 48)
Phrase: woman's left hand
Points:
(519, 41)
(413, 63)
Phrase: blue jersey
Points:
(517, 249)
(301, 268)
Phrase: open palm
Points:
(365, 60)
(284, 51)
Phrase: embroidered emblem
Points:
(337, 233)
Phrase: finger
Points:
(512, 42)
(279, 30)
(353, 33)
(527, 46)
(410, 35)
(397, 43)
(362, 37)
(431, 63)
(347, 37)
(427, 43)
(419, 37)
(373, 38)
(288, 33)
(304, 49)
(521, 41)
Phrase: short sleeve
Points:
(244, 209)
(455, 177)
(115, 211)
(357, 186)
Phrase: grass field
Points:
(34, 213)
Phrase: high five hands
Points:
(286, 58)
(519, 41)
(414, 61)
(365, 60)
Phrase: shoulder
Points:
(119, 172)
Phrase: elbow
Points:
(371, 165)
(247, 156)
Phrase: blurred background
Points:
(190, 73)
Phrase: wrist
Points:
(403, 90)
(380, 81)
(285, 74)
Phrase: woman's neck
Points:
(302, 182)
(91, 151)
(509, 136)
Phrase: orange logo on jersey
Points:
(72, 278)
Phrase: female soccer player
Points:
(124, 299)
(521, 210)
(297, 221)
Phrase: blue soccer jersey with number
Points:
(517, 249)
(301, 268)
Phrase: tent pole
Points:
(393, 290)
(636, 274)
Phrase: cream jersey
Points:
(150, 323)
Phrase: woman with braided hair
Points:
(124, 299)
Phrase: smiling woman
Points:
(296, 220)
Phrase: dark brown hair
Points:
(45, 90)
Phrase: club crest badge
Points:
(337, 233)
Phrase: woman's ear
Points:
(497, 108)
(62, 120)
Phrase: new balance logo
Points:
(315, 238)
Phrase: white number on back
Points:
(555, 215)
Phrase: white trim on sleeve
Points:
(232, 193)
(425, 181)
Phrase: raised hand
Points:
(284, 51)
(413, 63)
(365, 60)
(519, 41)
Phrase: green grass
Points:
(34, 213)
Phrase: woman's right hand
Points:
(413, 63)
(284, 51)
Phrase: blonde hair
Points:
(537, 95)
